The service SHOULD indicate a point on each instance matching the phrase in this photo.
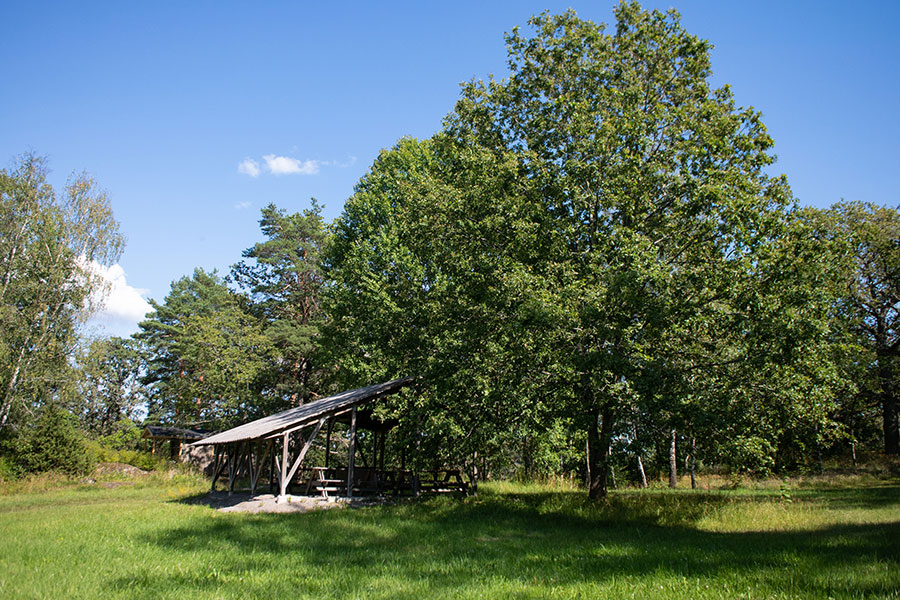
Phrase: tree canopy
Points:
(596, 231)
(48, 245)
(283, 284)
(868, 304)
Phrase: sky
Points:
(195, 115)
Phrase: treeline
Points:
(590, 268)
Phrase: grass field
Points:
(513, 541)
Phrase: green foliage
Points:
(48, 285)
(110, 451)
(216, 357)
(868, 308)
(53, 443)
(124, 435)
(109, 388)
(594, 237)
(8, 470)
(205, 356)
(752, 455)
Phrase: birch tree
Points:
(48, 243)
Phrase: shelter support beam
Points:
(352, 459)
(232, 458)
(217, 466)
(306, 446)
(328, 442)
(282, 470)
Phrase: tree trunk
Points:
(889, 406)
(599, 435)
(673, 463)
(693, 462)
(890, 424)
(473, 484)
(527, 459)
(819, 452)
(587, 459)
(11, 385)
(641, 475)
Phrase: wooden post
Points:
(239, 466)
(231, 458)
(351, 462)
(273, 475)
(217, 454)
(252, 448)
(285, 441)
(328, 441)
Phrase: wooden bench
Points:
(333, 480)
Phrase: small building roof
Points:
(168, 433)
(308, 413)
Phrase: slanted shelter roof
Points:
(308, 413)
(168, 433)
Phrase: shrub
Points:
(8, 471)
(125, 436)
(748, 455)
(135, 458)
(53, 443)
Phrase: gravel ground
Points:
(267, 503)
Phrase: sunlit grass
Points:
(513, 540)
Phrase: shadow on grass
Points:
(216, 500)
(525, 545)
(880, 496)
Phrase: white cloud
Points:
(285, 165)
(123, 306)
(248, 166)
(243, 205)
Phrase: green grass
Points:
(513, 541)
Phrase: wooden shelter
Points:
(276, 446)
(174, 435)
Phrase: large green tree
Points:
(283, 279)
(48, 245)
(664, 231)
(596, 234)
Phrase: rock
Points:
(120, 469)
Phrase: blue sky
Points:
(163, 102)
